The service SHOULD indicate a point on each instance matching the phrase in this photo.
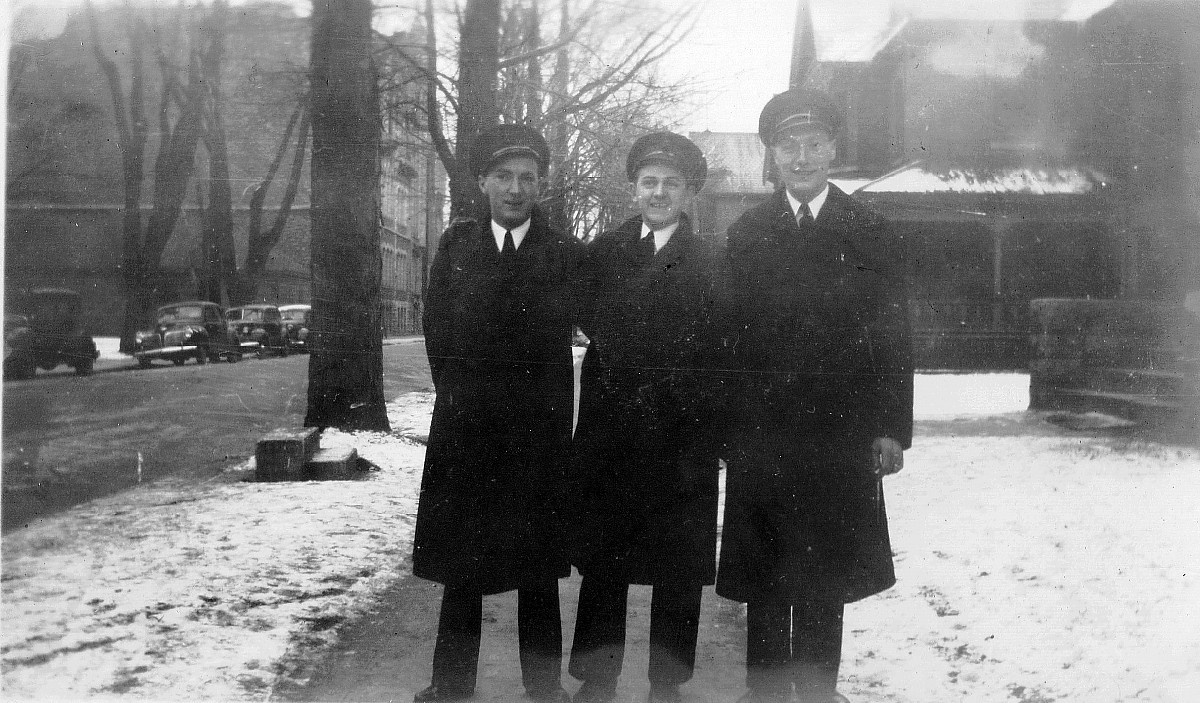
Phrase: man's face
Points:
(661, 192)
(803, 155)
(512, 188)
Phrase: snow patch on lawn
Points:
(212, 592)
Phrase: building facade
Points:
(65, 192)
(1047, 156)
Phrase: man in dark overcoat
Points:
(643, 479)
(498, 322)
(821, 337)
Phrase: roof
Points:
(857, 31)
(188, 302)
(921, 178)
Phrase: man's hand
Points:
(887, 457)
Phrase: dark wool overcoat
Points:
(821, 338)
(642, 490)
(498, 336)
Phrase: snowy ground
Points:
(1036, 564)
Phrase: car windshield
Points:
(180, 313)
(252, 315)
(294, 315)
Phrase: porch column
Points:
(999, 228)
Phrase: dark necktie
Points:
(647, 246)
(509, 252)
(805, 218)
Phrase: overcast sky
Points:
(740, 50)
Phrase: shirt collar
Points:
(661, 236)
(814, 205)
(518, 233)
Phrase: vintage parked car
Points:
(259, 325)
(296, 321)
(46, 330)
(193, 329)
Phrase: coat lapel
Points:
(669, 257)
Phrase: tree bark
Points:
(345, 371)
(131, 141)
(221, 266)
(478, 63)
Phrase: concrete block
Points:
(282, 454)
(332, 464)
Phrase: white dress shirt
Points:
(814, 205)
(661, 236)
(518, 234)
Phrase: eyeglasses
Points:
(793, 148)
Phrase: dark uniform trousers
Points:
(539, 637)
(800, 644)
(599, 644)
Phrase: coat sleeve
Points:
(437, 320)
(891, 349)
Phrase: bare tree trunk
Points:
(478, 64)
(218, 220)
(260, 242)
(131, 140)
(555, 203)
(345, 370)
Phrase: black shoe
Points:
(664, 693)
(434, 693)
(549, 695)
(596, 692)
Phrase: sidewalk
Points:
(1035, 564)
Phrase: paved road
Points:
(69, 439)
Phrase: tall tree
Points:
(601, 92)
(179, 130)
(345, 370)
(220, 264)
(478, 62)
(259, 240)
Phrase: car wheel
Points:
(202, 356)
(179, 361)
(18, 367)
(84, 367)
(283, 347)
(234, 357)
(144, 362)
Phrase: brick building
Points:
(64, 193)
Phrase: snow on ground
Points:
(1034, 565)
(213, 593)
(109, 348)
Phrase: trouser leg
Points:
(598, 648)
(768, 649)
(456, 650)
(817, 646)
(674, 625)
(539, 634)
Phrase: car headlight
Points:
(142, 336)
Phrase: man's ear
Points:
(480, 180)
